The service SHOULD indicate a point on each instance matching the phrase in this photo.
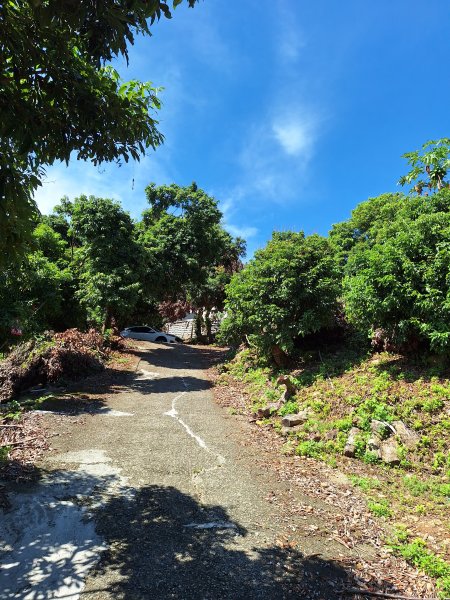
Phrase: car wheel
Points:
(161, 339)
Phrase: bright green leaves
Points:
(287, 291)
(433, 163)
(58, 97)
(109, 262)
(397, 269)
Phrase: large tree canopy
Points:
(181, 233)
(108, 262)
(395, 254)
(288, 290)
(58, 95)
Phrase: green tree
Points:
(210, 295)
(288, 290)
(189, 255)
(397, 273)
(432, 163)
(35, 294)
(180, 233)
(365, 225)
(58, 96)
(109, 260)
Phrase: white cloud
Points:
(245, 232)
(230, 208)
(276, 154)
(125, 183)
(295, 135)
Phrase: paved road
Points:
(155, 497)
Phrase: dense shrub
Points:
(395, 253)
(288, 290)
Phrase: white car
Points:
(147, 334)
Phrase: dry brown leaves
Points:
(340, 510)
(22, 442)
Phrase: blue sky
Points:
(288, 112)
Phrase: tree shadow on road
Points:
(163, 544)
(180, 356)
(159, 543)
(48, 542)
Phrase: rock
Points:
(265, 411)
(286, 431)
(407, 437)
(374, 445)
(292, 420)
(350, 446)
(290, 387)
(379, 428)
(389, 452)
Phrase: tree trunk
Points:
(280, 358)
(107, 320)
(208, 324)
(198, 327)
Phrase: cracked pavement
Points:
(156, 496)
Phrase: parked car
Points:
(147, 334)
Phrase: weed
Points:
(360, 444)
(365, 483)
(310, 448)
(331, 461)
(14, 410)
(441, 390)
(344, 424)
(4, 453)
(371, 409)
(439, 461)
(353, 400)
(417, 554)
(415, 486)
(379, 508)
(290, 407)
(432, 405)
(370, 458)
(382, 383)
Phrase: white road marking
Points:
(174, 414)
(212, 525)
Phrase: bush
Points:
(395, 254)
(287, 291)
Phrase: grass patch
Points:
(379, 508)
(416, 552)
(365, 483)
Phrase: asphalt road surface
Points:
(155, 496)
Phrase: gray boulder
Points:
(389, 452)
(374, 445)
(350, 446)
(292, 420)
(408, 437)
